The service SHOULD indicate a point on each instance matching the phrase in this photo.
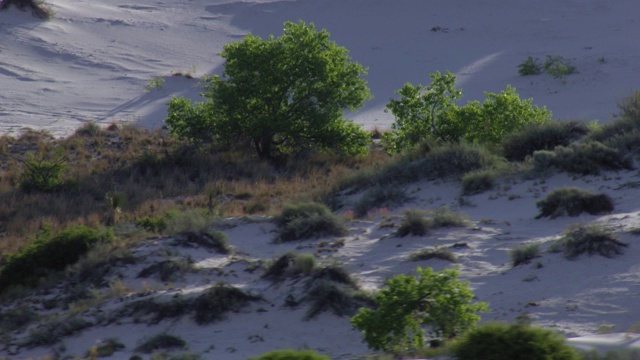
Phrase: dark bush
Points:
(218, 300)
(291, 355)
(48, 254)
(590, 239)
(573, 202)
(584, 158)
(545, 136)
(162, 341)
(307, 220)
(511, 342)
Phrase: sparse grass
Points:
(208, 239)
(570, 201)
(589, 239)
(155, 83)
(169, 270)
(433, 253)
(443, 217)
(524, 254)
(379, 197)
(52, 331)
(162, 341)
(307, 220)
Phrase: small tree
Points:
(434, 299)
(421, 112)
(280, 95)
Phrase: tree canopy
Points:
(281, 95)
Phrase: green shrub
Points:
(89, 129)
(218, 300)
(435, 300)
(291, 355)
(624, 132)
(47, 254)
(508, 342)
(152, 224)
(433, 253)
(558, 67)
(590, 239)
(307, 220)
(478, 181)
(573, 202)
(454, 160)
(545, 136)
(585, 158)
(305, 263)
(40, 174)
(531, 66)
(524, 253)
(162, 341)
(414, 223)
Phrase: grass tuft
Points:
(524, 254)
(590, 239)
(573, 202)
(307, 220)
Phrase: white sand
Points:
(94, 59)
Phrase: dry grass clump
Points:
(307, 220)
(524, 254)
(418, 223)
(289, 265)
(572, 201)
(433, 253)
(589, 239)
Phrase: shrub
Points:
(38, 7)
(218, 300)
(40, 174)
(47, 254)
(545, 136)
(209, 239)
(531, 66)
(420, 113)
(558, 67)
(89, 129)
(167, 270)
(409, 303)
(280, 95)
(290, 264)
(414, 223)
(624, 132)
(306, 220)
(590, 239)
(524, 253)
(328, 296)
(291, 355)
(573, 202)
(305, 263)
(454, 160)
(105, 348)
(478, 181)
(517, 341)
(585, 158)
(152, 224)
(433, 253)
(162, 341)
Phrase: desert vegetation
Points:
(275, 150)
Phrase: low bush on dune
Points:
(433, 253)
(218, 300)
(414, 223)
(379, 196)
(49, 254)
(507, 342)
(290, 264)
(573, 202)
(623, 133)
(524, 253)
(583, 158)
(545, 136)
(478, 181)
(589, 239)
(162, 341)
(291, 355)
(307, 220)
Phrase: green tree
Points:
(498, 115)
(422, 112)
(409, 303)
(281, 95)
